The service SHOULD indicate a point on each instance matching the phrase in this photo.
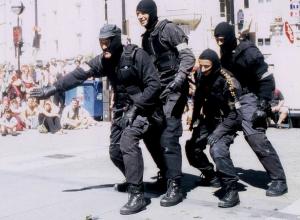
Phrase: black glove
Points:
(213, 138)
(259, 117)
(130, 115)
(177, 84)
(164, 94)
(174, 86)
(43, 93)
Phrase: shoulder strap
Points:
(231, 86)
(128, 55)
(158, 31)
(160, 26)
(243, 45)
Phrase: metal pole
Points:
(124, 27)
(36, 14)
(232, 12)
(105, 84)
(105, 10)
(18, 45)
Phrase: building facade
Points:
(274, 25)
(69, 28)
(66, 29)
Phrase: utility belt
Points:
(127, 94)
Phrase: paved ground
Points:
(53, 177)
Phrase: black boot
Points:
(174, 194)
(160, 185)
(231, 197)
(277, 188)
(121, 187)
(209, 178)
(136, 201)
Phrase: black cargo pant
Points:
(125, 151)
(195, 147)
(219, 151)
(173, 110)
(257, 139)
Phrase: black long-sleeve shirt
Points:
(144, 78)
(166, 39)
(214, 103)
(250, 69)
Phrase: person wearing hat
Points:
(214, 122)
(168, 47)
(248, 66)
(136, 90)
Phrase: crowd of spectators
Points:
(19, 112)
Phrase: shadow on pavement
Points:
(90, 187)
(255, 178)
(219, 193)
(188, 182)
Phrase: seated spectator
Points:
(16, 108)
(27, 78)
(30, 114)
(15, 85)
(17, 105)
(4, 105)
(49, 119)
(75, 117)
(187, 115)
(8, 123)
(278, 108)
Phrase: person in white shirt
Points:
(75, 116)
(8, 123)
(49, 118)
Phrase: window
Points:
(267, 41)
(260, 41)
(222, 8)
(246, 3)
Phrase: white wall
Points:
(60, 21)
(66, 32)
(284, 55)
(206, 10)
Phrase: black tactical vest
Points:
(164, 56)
(125, 81)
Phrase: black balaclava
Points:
(148, 7)
(211, 55)
(113, 33)
(226, 30)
